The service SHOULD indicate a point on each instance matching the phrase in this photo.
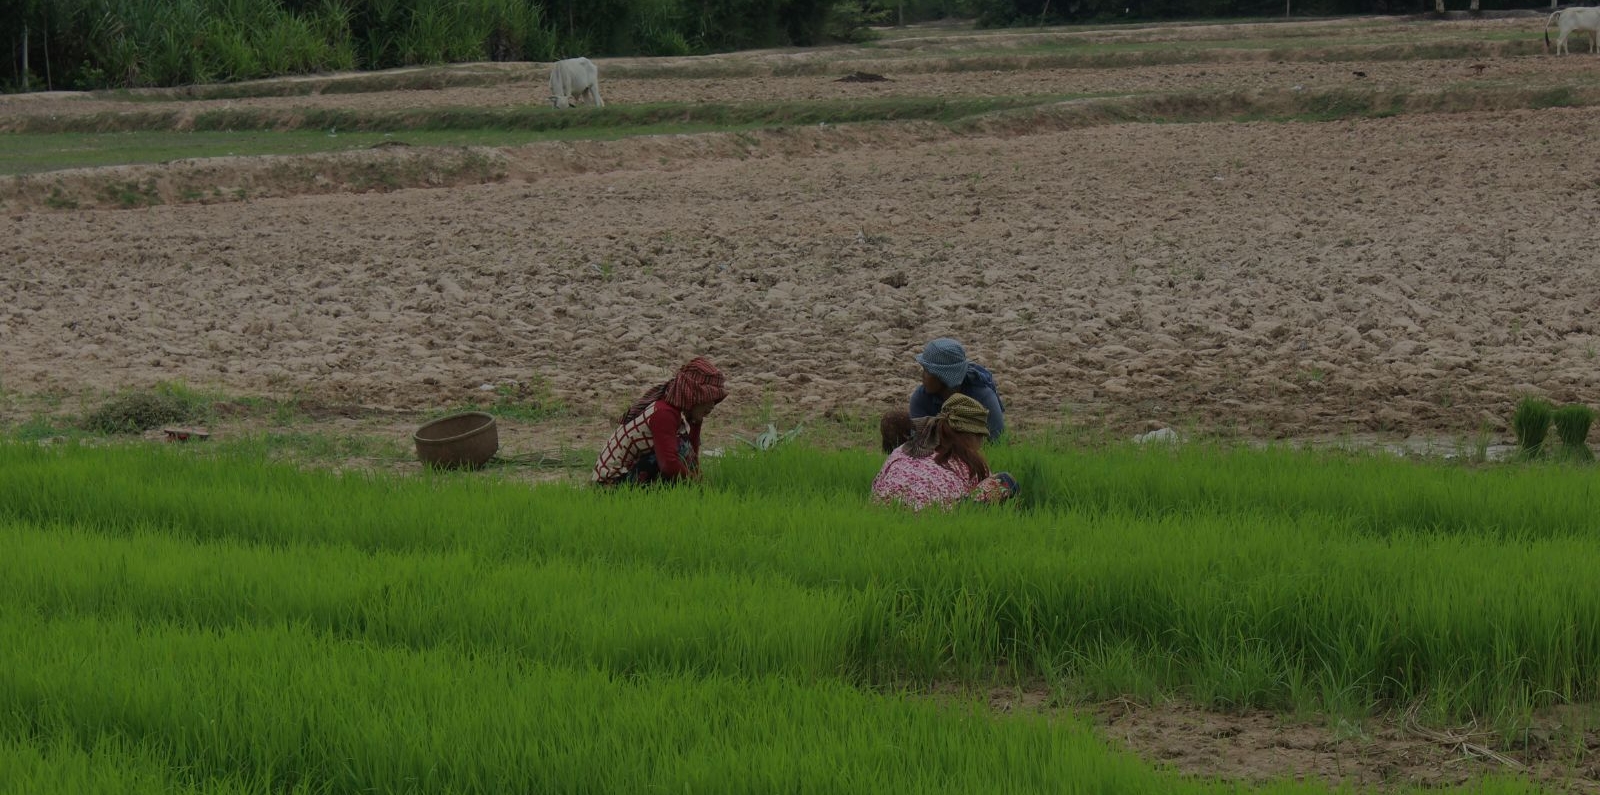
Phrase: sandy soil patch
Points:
(1262, 747)
(1556, 748)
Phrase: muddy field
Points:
(1412, 274)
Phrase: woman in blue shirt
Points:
(945, 372)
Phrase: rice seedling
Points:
(1572, 427)
(280, 707)
(1236, 578)
(1531, 422)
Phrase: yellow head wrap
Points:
(965, 414)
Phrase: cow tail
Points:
(1547, 31)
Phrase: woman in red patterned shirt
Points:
(658, 438)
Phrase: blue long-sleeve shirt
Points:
(976, 386)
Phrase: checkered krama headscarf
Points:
(697, 382)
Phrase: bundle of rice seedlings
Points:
(1572, 426)
(1531, 422)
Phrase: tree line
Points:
(94, 44)
(90, 44)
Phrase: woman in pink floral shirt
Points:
(943, 463)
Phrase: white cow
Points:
(1571, 19)
(571, 79)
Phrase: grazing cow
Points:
(1570, 19)
(571, 79)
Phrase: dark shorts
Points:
(648, 470)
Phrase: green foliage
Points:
(1238, 578)
(897, 12)
(127, 43)
(142, 410)
(103, 43)
(1531, 422)
(851, 21)
(1572, 427)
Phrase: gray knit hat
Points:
(946, 359)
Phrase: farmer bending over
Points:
(943, 463)
(658, 439)
(945, 372)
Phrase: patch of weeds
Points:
(376, 176)
(481, 165)
(525, 401)
(281, 413)
(60, 201)
(1531, 422)
(1480, 445)
(40, 427)
(132, 194)
(143, 410)
(1559, 97)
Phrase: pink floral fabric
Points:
(919, 482)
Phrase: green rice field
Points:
(177, 621)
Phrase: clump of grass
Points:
(527, 401)
(141, 410)
(132, 194)
(1572, 426)
(1531, 422)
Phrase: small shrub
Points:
(139, 411)
(1531, 422)
(1572, 426)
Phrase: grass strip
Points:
(622, 617)
(104, 765)
(529, 119)
(282, 707)
(1220, 575)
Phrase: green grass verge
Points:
(1273, 579)
(180, 619)
(78, 142)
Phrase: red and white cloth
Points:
(656, 429)
(919, 482)
(699, 381)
